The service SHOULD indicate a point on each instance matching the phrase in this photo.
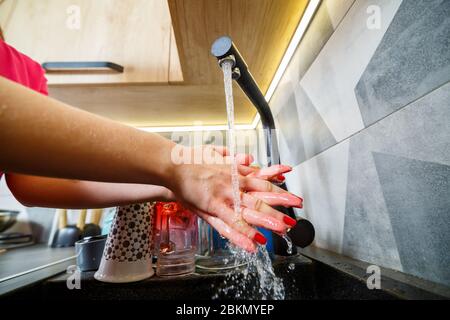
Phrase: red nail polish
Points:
(281, 177)
(260, 239)
(289, 221)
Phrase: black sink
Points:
(298, 282)
(306, 276)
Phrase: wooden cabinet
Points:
(136, 34)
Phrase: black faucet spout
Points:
(224, 49)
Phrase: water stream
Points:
(228, 81)
(257, 279)
(289, 243)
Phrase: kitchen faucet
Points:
(224, 49)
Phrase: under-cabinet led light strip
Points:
(296, 38)
(196, 128)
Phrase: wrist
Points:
(169, 170)
(174, 179)
(155, 160)
(169, 196)
(180, 158)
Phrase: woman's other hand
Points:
(206, 190)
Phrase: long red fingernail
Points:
(260, 239)
(289, 221)
(281, 177)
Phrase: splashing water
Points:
(228, 81)
(257, 280)
(288, 243)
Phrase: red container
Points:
(175, 239)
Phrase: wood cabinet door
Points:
(136, 34)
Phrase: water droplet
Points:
(288, 243)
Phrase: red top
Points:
(20, 68)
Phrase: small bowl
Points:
(89, 252)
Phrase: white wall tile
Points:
(322, 182)
(337, 9)
(331, 79)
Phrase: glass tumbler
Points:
(213, 253)
(175, 239)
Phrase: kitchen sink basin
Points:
(313, 274)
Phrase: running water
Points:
(227, 67)
(257, 280)
(288, 243)
(228, 81)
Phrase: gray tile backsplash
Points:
(417, 199)
(288, 122)
(366, 124)
(412, 59)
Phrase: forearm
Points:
(72, 194)
(42, 136)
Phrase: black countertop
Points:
(191, 287)
(315, 274)
(24, 266)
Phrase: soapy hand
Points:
(206, 190)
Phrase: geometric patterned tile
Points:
(368, 233)
(331, 79)
(316, 135)
(381, 193)
(303, 133)
(292, 149)
(418, 131)
(412, 59)
(417, 196)
(322, 182)
(328, 16)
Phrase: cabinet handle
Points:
(82, 67)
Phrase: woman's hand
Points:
(206, 190)
(273, 173)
